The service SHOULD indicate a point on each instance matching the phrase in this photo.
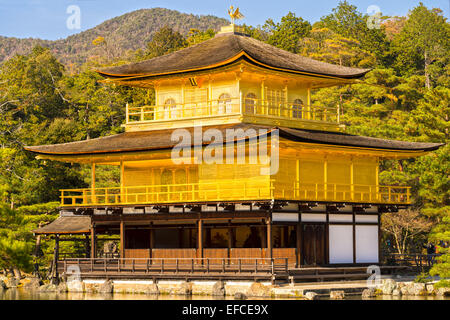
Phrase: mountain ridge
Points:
(128, 32)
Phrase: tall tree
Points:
(287, 33)
(165, 41)
(423, 41)
(346, 21)
(325, 45)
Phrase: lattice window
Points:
(170, 109)
(250, 103)
(297, 109)
(196, 101)
(275, 99)
(225, 104)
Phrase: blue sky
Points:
(46, 19)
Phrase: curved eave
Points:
(380, 152)
(242, 55)
(423, 150)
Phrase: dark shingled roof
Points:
(222, 50)
(161, 139)
(67, 225)
(344, 139)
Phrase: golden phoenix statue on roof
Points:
(235, 14)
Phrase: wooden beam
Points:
(230, 239)
(94, 200)
(122, 178)
(327, 238)
(93, 242)
(200, 239)
(354, 235)
(186, 216)
(269, 238)
(299, 241)
(55, 259)
(122, 239)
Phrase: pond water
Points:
(24, 294)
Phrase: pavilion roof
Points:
(225, 49)
(162, 139)
(67, 225)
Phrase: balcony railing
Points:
(232, 106)
(235, 190)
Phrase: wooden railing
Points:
(203, 266)
(176, 193)
(235, 190)
(245, 106)
(341, 192)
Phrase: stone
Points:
(240, 296)
(397, 292)
(3, 285)
(311, 296)
(443, 292)
(12, 282)
(62, 287)
(337, 295)
(418, 289)
(218, 290)
(32, 283)
(152, 289)
(48, 288)
(388, 286)
(184, 289)
(106, 287)
(369, 293)
(413, 289)
(430, 289)
(258, 290)
(75, 286)
(404, 290)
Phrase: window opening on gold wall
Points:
(225, 105)
(250, 103)
(297, 109)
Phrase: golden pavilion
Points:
(312, 199)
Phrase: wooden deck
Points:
(260, 269)
(179, 268)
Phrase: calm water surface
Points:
(24, 294)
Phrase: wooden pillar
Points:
(297, 179)
(200, 239)
(263, 98)
(93, 242)
(122, 239)
(327, 238)
(55, 260)
(377, 180)
(94, 200)
(299, 240)
(325, 178)
(354, 235)
(308, 102)
(352, 180)
(269, 238)
(122, 182)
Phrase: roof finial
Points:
(235, 14)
